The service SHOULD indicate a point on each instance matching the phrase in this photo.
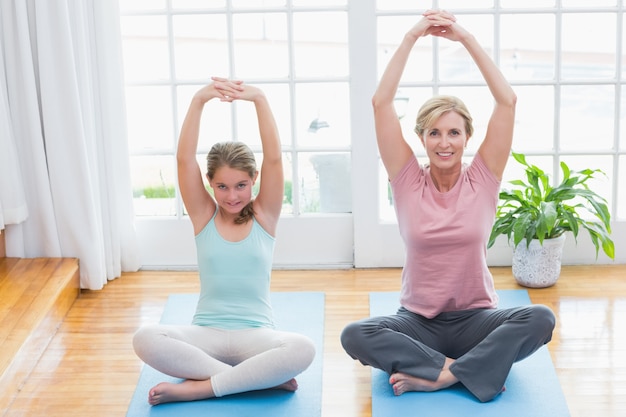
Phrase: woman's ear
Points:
(256, 175)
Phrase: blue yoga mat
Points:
(301, 312)
(532, 388)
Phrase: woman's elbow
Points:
(379, 102)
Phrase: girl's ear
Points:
(256, 175)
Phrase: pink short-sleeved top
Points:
(445, 236)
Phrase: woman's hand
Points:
(443, 24)
(433, 22)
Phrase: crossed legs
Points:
(214, 362)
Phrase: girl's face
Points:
(445, 141)
(232, 188)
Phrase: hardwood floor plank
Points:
(89, 368)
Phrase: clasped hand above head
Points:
(439, 23)
(228, 91)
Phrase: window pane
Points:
(216, 122)
(141, 5)
(200, 46)
(534, 119)
(325, 182)
(622, 140)
(528, 57)
(153, 185)
(149, 118)
(391, 31)
(464, 4)
(320, 44)
(585, 3)
(288, 172)
(260, 45)
(323, 115)
(588, 53)
(318, 3)
(196, 4)
(247, 128)
(621, 186)
(255, 3)
(395, 5)
(456, 63)
(145, 48)
(408, 102)
(516, 4)
(623, 49)
(587, 117)
(515, 171)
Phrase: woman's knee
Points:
(542, 320)
(352, 337)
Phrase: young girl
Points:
(231, 345)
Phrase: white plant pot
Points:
(538, 266)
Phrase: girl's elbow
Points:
(512, 100)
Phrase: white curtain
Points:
(66, 124)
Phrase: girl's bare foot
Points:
(290, 385)
(188, 390)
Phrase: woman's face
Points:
(445, 140)
(232, 188)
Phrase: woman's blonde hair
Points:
(236, 155)
(435, 107)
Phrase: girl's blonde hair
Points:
(236, 155)
(435, 107)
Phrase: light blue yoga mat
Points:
(532, 388)
(301, 312)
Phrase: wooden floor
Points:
(89, 368)
(36, 295)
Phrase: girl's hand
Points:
(235, 90)
(222, 88)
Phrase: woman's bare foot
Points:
(402, 382)
(290, 385)
(188, 390)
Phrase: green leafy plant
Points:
(535, 209)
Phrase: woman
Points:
(448, 328)
(231, 345)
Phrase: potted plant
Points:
(535, 216)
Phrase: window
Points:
(319, 62)
(297, 51)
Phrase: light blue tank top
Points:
(234, 279)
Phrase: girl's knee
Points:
(307, 351)
(143, 339)
(302, 350)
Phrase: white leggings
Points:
(235, 360)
